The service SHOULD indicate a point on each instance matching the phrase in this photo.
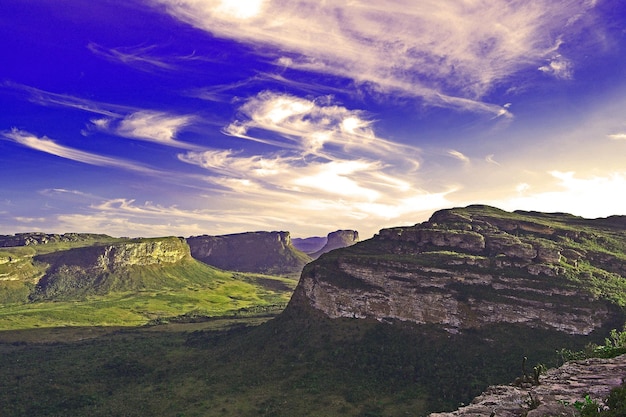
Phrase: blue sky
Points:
(188, 117)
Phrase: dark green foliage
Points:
(614, 345)
(299, 364)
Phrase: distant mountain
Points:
(122, 266)
(100, 280)
(39, 238)
(316, 246)
(309, 244)
(262, 252)
(336, 240)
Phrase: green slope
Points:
(66, 284)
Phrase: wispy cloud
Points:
(444, 53)
(49, 146)
(144, 57)
(139, 57)
(46, 98)
(125, 121)
(558, 67)
(148, 126)
(322, 161)
(617, 136)
(460, 156)
(313, 127)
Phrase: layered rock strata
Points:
(557, 391)
(476, 266)
(262, 252)
(336, 240)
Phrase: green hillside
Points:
(125, 282)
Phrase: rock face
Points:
(262, 252)
(38, 238)
(101, 268)
(336, 240)
(478, 266)
(309, 245)
(558, 389)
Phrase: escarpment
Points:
(336, 240)
(124, 265)
(262, 252)
(472, 267)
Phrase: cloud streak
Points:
(322, 160)
(51, 147)
(149, 126)
(443, 53)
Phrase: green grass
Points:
(222, 293)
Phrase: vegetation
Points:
(296, 364)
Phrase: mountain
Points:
(309, 244)
(316, 246)
(440, 310)
(122, 266)
(477, 266)
(336, 240)
(261, 252)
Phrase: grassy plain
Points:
(225, 295)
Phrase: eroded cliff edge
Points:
(558, 389)
(471, 267)
(262, 252)
(120, 266)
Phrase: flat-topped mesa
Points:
(98, 269)
(476, 266)
(336, 240)
(262, 252)
(39, 238)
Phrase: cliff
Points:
(262, 252)
(555, 394)
(309, 245)
(336, 240)
(126, 265)
(477, 266)
(39, 238)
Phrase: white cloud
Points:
(489, 158)
(558, 67)
(51, 147)
(583, 195)
(323, 161)
(137, 56)
(144, 57)
(149, 126)
(448, 53)
(617, 136)
(458, 155)
(312, 126)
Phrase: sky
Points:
(190, 117)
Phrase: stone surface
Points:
(262, 252)
(336, 240)
(473, 267)
(558, 389)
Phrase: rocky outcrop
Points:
(262, 252)
(478, 266)
(101, 268)
(558, 389)
(336, 240)
(38, 238)
(309, 245)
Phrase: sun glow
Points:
(241, 9)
